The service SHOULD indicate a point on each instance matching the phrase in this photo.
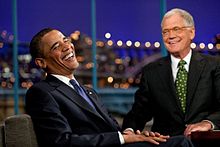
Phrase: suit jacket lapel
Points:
(196, 67)
(99, 108)
(70, 94)
(166, 77)
(77, 99)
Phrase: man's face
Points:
(177, 36)
(59, 54)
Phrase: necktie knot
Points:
(77, 88)
(181, 64)
(73, 82)
(80, 91)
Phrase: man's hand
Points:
(152, 137)
(154, 134)
(142, 138)
(201, 126)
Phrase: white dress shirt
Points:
(175, 61)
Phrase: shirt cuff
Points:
(213, 126)
(121, 138)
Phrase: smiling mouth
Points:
(69, 56)
(173, 42)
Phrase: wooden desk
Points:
(206, 139)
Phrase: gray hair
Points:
(188, 19)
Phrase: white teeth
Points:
(68, 56)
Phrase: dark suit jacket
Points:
(60, 116)
(156, 97)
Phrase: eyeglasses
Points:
(175, 30)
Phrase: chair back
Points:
(19, 131)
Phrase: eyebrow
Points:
(57, 43)
(53, 45)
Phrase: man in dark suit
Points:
(175, 111)
(65, 113)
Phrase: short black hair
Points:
(34, 46)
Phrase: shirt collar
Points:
(64, 79)
(175, 61)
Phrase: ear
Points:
(192, 33)
(41, 63)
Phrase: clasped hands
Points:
(145, 136)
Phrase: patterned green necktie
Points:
(181, 84)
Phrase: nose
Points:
(171, 34)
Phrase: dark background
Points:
(135, 20)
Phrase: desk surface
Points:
(207, 135)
